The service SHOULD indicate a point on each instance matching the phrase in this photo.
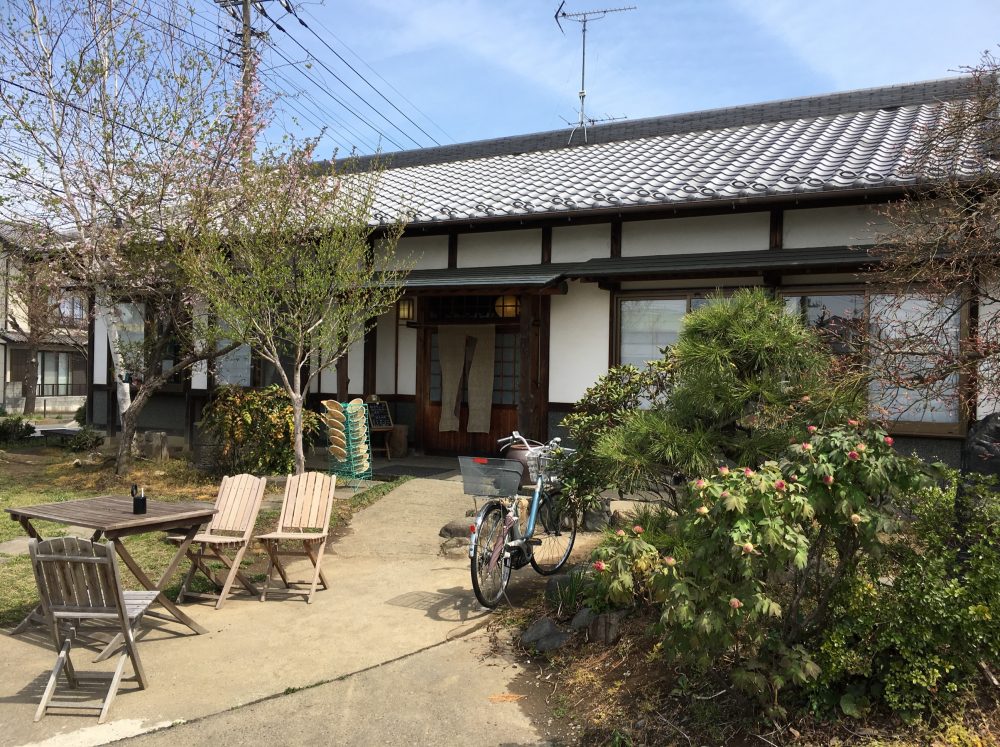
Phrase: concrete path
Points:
(395, 639)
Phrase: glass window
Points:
(838, 318)
(646, 326)
(234, 367)
(928, 330)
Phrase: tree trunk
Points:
(130, 420)
(29, 384)
(300, 456)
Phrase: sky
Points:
(459, 70)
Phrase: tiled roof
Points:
(822, 144)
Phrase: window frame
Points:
(901, 427)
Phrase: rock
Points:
(456, 528)
(77, 463)
(582, 619)
(455, 547)
(596, 520)
(538, 630)
(544, 635)
(606, 627)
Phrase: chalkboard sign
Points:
(378, 413)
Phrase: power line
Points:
(330, 94)
(349, 88)
(416, 108)
(287, 6)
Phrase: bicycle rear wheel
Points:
(489, 583)
(555, 530)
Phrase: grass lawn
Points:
(33, 475)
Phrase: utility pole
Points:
(247, 61)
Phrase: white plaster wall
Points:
(713, 233)
(834, 226)
(578, 341)
(199, 375)
(500, 248)
(328, 380)
(580, 243)
(421, 253)
(356, 368)
(385, 354)
(100, 362)
(407, 376)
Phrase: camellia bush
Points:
(250, 430)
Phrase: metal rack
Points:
(348, 430)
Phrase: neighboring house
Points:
(537, 264)
(61, 351)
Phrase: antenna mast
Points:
(583, 18)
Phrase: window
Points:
(646, 324)
(841, 318)
(73, 310)
(60, 373)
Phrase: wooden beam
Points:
(371, 360)
(452, 250)
(777, 230)
(528, 389)
(616, 239)
(544, 343)
(547, 245)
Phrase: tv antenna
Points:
(583, 18)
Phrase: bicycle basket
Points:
(538, 462)
(490, 478)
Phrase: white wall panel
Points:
(580, 243)
(356, 368)
(421, 253)
(385, 354)
(328, 380)
(835, 226)
(713, 233)
(578, 341)
(100, 362)
(500, 248)
(407, 381)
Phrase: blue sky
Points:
(474, 69)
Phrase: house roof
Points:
(478, 279)
(858, 140)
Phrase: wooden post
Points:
(528, 405)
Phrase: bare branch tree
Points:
(120, 125)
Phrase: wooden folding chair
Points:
(230, 529)
(305, 518)
(79, 580)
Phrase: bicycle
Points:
(497, 545)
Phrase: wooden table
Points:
(111, 516)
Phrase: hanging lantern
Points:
(406, 309)
(507, 307)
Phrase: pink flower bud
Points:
(806, 398)
(855, 519)
(723, 470)
(670, 561)
(620, 533)
(638, 529)
(748, 472)
(861, 447)
(811, 428)
(779, 485)
(853, 456)
(807, 446)
(888, 441)
(747, 548)
(793, 478)
(700, 484)
(735, 603)
(701, 510)
(599, 565)
(724, 494)
(852, 422)
(828, 479)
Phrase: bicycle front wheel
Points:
(555, 529)
(489, 583)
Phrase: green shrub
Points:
(909, 631)
(622, 566)
(85, 439)
(15, 428)
(80, 416)
(251, 430)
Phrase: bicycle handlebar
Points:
(515, 436)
